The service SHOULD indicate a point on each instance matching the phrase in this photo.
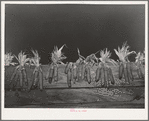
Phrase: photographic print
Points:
(75, 56)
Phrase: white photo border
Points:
(65, 114)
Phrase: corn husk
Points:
(36, 77)
(22, 59)
(79, 72)
(140, 60)
(102, 77)
(121, 70)
(123, 53)
(15, 81)
(98, 74)
(51, 74)
(48, 73)
(111, 77)
(66, 68)
(57, 56)
(83, 71)
(21, 79)
(25, 77)
(74, 72)
(13, 75)
(129, 69)
(88, 72)
(8, 59)
(106, 77)
(55, 73)
(126, 76)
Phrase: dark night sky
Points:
(88, 27)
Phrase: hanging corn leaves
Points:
(125, 66)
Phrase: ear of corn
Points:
(106, 77)
(129, 70)
(48, 73)
(13, 75)
(140, 59)
(126, 76)
(25, 76)
(83, 71)
(111, 77)
(36, 75)
(88, 75)
(102, 77)
(66, 68)
(55, 73)
(121, 70)
(98, 74)
(21, 79)
(69, 78)
(41, 80)
(74, 72)
(14, 82)
(51, 74)
(79, 72)
(72, 75)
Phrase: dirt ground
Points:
(63, 97)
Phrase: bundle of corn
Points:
(84, 66)
(125, 66)
(139, 63)
(104, 72)
(20, 71)
(8, 63)
(37, 73)
(57, 57)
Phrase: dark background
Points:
(88, 27)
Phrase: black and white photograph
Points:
(74, 55)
